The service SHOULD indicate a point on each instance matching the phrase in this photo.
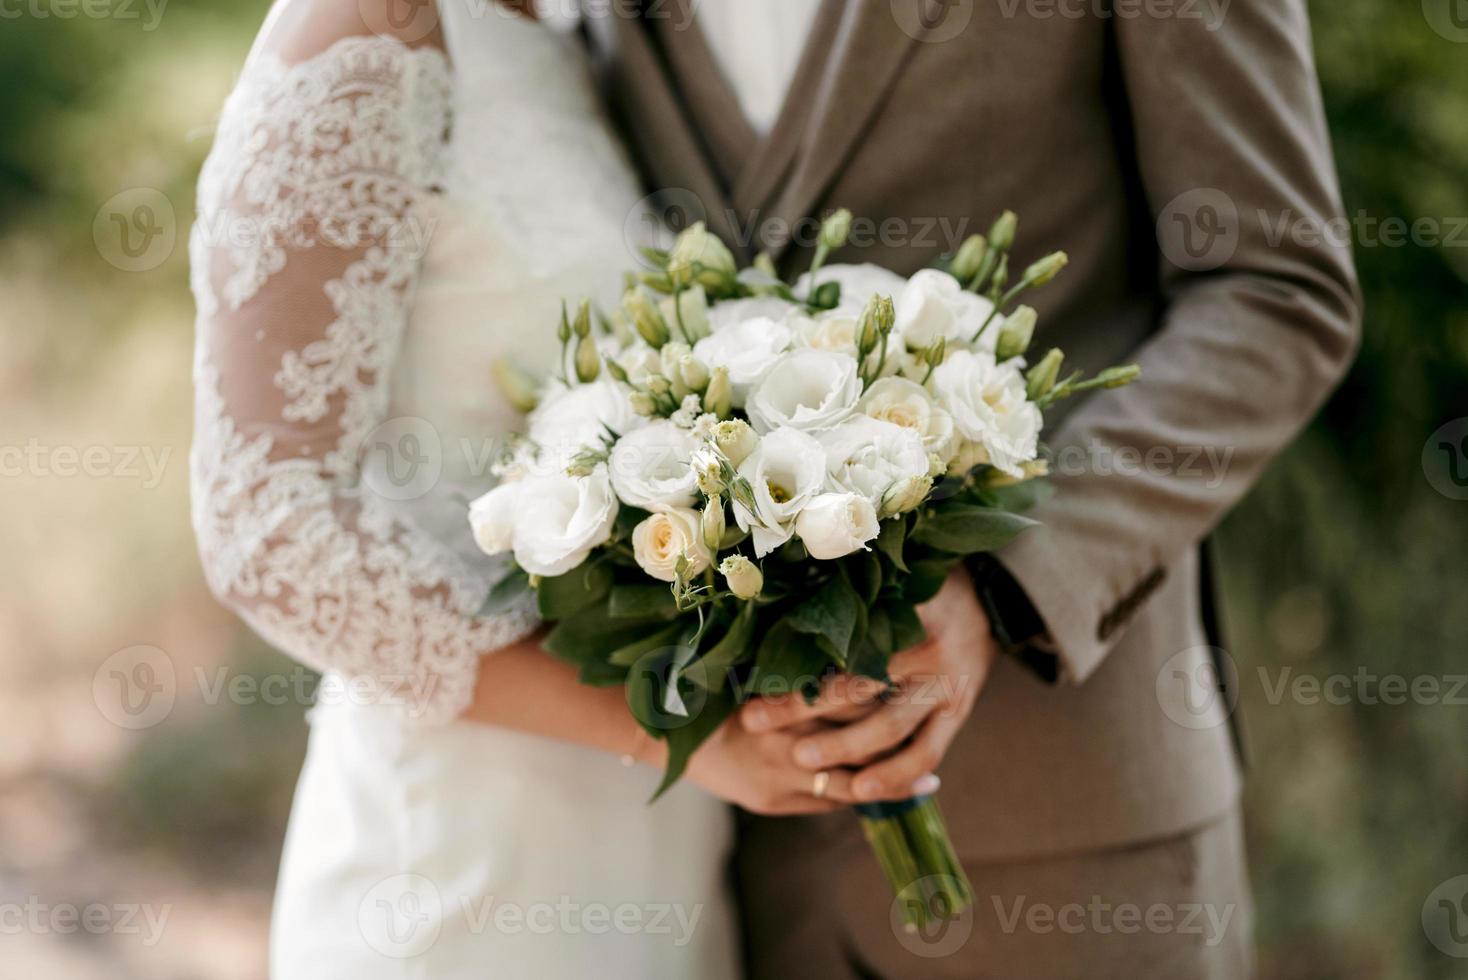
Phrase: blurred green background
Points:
(1345, 560)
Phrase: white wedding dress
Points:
(378, 224)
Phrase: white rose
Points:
(572, 419)
(908, 404)
(836, 524)
(736, 311)
(784, 473)
(747, 350)
(934, 305)
(859, 283)
(834, 330)
(997, 423)
(552, 523)
(806, 389)
(868, 456)
(650, 467)
(660, 540)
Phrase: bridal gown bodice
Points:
(378, 225)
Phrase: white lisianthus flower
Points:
(660, 540)
(552, 523)
(747, 350)
(650, 467)
(806, 389)
(859, 283)
(784, 473)
(868, 456)
(834, 330)
(910, 405)
(834, 525)
(934, 304)
(997, 423)
(494, 516)
(572, 419)
(736, 311)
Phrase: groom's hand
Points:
(896, 738)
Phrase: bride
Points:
(389, 209)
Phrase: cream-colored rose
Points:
(908, 404)
(660, 540)
(834, 525)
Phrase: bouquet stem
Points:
(911, 843)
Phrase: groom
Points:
(1178, 153)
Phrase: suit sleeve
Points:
(1262, 316)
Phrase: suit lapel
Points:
(867, 51)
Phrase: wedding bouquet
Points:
(737, 485)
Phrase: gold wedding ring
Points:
(819, 785)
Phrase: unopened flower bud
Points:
(518, 387)
(712, 524)
(588, 360)
(743, 576)
(1001, 235)
(708, 471)
(672, 353)
(1046, 269)
(699, 257)
(1119, 377)
(582, 325)
(563, 332)
(1016, 333)
(969, 258)
(736, 440)
(695, 373)
(645, 317)
(643, 403)
(687, 314)
(836, 229)
(1041, 378)
(905, 495)
(719, 396)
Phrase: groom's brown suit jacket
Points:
(1182, 161)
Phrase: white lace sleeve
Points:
(303, 276)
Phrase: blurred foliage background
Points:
(1345, 560)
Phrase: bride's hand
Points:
(757, 771)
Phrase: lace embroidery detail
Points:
(321, 165)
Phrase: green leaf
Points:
(566, 595)
(506, 594)
(711, 671)
(642, 602)
(865, 571)
(831, 613)
(684, 741)
(1018, 497)
(787, 661)
(891, 540)
(597, 673)
(963, 529)
(869, 657)
(907, 627)
(926, 579)
(628, 655)
(591, 636)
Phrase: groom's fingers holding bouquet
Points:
(758, 772)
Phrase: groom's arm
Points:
(1254, 336)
